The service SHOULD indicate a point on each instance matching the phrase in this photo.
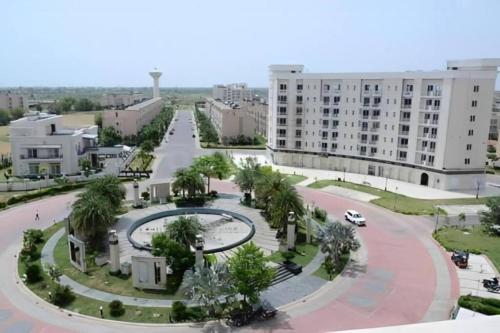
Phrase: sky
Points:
(205, 42)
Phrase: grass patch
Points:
(398, 202)
(100, 279)
(295, 179)
(321, 271)
(487, 306)
(476, 241)
(304, 253)
(79, 119)
(136, 163)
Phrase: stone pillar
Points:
(308, 229)
(199, 251)
(290, 231)
(114, 252)
(136, 194)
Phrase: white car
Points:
(355, 217)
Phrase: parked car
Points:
(171, 132)
(355, 217)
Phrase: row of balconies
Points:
(48, 157)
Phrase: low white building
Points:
(229, 120)
(121, 100)
(429, 128)
(231, 93)
(40, 145)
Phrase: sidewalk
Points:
(408, 189)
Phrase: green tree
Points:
(207, 285)
(336, 239)
(178, 257)
(491, 216)
(17, 113)
(184, 230)
(91, 216)
(247, 176)
(147, 146)
(110, 188)
(109, 137)
(215, 165)
(145, 157)
(98, 119)
(188, 180)
(65, 105)
(84, 104)
(4, 117)
(266, 187)
(283, 202)
(249, 272)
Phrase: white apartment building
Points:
(257, 110)
(121, 100)
(232, 93)
(10, 101)
(494, 122)
(40, 145)
(428, 128)
(229, 121)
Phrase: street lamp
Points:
(437, 220)
(395, 197)
(344, 174)
(386, 179)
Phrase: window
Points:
(471, 132)
(366, 101)
(476, 89)
(469, 146)
(326, 112)
(282, 99)
(407, 102)
(336, 99)
(298, 122)
(335, 135)
(282, 121)
(336, 112)
(409, 88)
(326, 87)
(474, 103)
(299, 110)
(281, 133)
(472, 119)
(334, 146)
(300, 87)
(298, 144)
(367, 87)
(282, 86)
(299, 99)
(467, 161)
(324, 135)
(326, 100)
(298, 133)
(281, 143)
(282, 110)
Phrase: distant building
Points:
(121, 100)
(428, 128)
(10, 101)
(231, 93)
(257, 110)
(495, 115)
(229, 120)
(41, 145)
(130, 121)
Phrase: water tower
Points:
(155, 74)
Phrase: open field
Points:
(398, 202)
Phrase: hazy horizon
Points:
(200, 43)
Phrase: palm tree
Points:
(184, 230)
(92, 215)
(266, 187)
(207, 286)
(195, 183)
(336, 239)
(215, 165)
(181, 181)
(110, 189)
(188, 180)
(283, 202)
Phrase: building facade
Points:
(428, 128)
(10, 101)
(257, 110)
(40, 145)
(130, 121)
(231, 93)
(229, 121)
(495, 115)
(121, 100)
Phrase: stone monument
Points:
(114, 252)
(199, 243)
(290, 231)
(77, 253)
(149, 272)
(137, 202)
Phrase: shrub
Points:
(145, 195)
(179, 311)
(320, 214)
(116, 308)
(487, 306)
(288, 255)
(62, 295)
(36, 235)
(33, 273)
(197, 313)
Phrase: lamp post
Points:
(386, 179)
(344, 174)
(478, 183)
(395, 197)
(437, 220)
(290, 231)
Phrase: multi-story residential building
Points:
(495, 115)
(121, 100)
(130, 121)
(229, 120)
(10, 101)
(257, 110)
(428, 128)
(40, 145)
(232, 93)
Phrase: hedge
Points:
(487, 306)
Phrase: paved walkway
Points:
(471, 278)
(351, 194)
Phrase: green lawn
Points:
(295, 179)
(473, 239)
(136, 163)
(100, 279)
(321, 271)
(397, 202)
(89, 306)
(304, 253)
(221, 146)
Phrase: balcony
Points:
(336, 91)
(374, 129)
(282, 91)
(373, 142)
(407, 93)
(375, 105)
(404, 120)
(375, 117)
(281, 135)
(366, 92)
(298, 102)
(335, 115)
(323, 149)
(362, 153)
(336, 102)
(48, 157)
(282, 113)
(281, 146)
(282, 102)
(431, 150)
(324, 138)
(403, 146)
(400, 158)
(377, 93)
(335, 126)
(432, 136)
(334, 138)
(333, 150)
(324, 126)
(371, 154)
(298, 136)
(431, 108)
(433, 93)
(326, 115)
(365, 116)
(363, 140)
(364, 129)
(296, 125)
(404, 133)
(406, 106)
